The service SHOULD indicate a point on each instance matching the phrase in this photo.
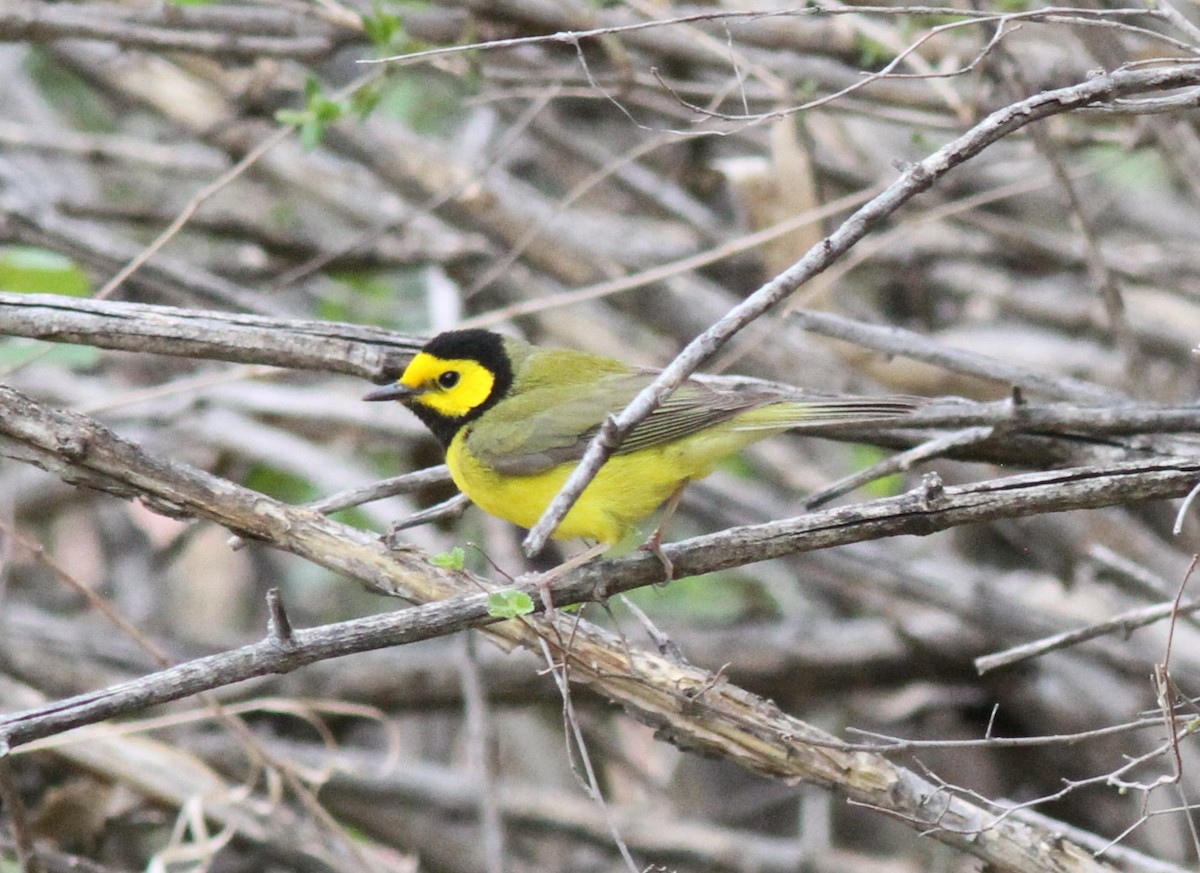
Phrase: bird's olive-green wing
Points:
(560, 400)
(542, 426)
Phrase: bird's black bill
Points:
(391, 392)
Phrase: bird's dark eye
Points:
(448, 379)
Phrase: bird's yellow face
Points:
(455, 379)
(452, 388)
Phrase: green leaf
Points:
(381, 27)
(318, 113)
(29, 270)
(509, 604)
(327, 111)
(455, 559)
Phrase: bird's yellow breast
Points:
(627, 489)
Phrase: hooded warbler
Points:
(515, 419)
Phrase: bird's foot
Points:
(654, 547)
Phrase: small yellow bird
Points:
(515, 419)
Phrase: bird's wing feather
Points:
(527, 434)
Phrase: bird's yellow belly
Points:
(626, 490)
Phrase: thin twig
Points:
(1125, 623)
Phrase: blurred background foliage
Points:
(599, 193)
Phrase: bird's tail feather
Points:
(847, 411)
